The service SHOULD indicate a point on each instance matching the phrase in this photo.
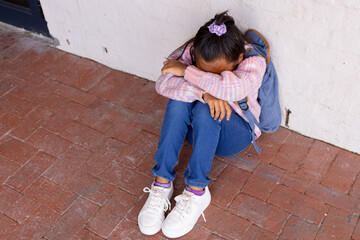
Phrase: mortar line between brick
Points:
(272, 158)
(214, 233)
(221, 171)
(14, 219)
(114, 184)
(34, 200)
(321, 223)
(19, 139)
(43, 173)
(131, 109)
(319, 174)
(61, 215)
(93, 232)
(351, 186)
(148, 132)
(11, 75)
(303, 219)
(211, 232)
(100, 81)
(21, 165)
(7, 134)
(280, 181)
(281, 230)
(133, 206)
(231, 213)
(32, 110)
(121, 221)
(248, 228)
(142, 160)
(84, 197)
(70, 100)
(79, 195)
(79, 144)
(332, 162)
(109, 164)
(358, 221)
(88, 220)
(302, 160)
(39, 106)
(40, 205)
(239, 192)
(266, 203)
(8, 92)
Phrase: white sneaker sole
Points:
(149, 230)
(153, 229)
(186, 229)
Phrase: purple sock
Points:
(164, 185)
(197, 193)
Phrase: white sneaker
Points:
(152, 214)
(187, 211)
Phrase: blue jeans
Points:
(206, 135)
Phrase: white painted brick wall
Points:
(315, 47)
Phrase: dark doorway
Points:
(24, 13)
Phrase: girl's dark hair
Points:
(210, 46)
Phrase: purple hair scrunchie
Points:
(217, 29)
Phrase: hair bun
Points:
(224, 18)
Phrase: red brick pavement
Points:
(77, 142)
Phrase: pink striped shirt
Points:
(230, 86)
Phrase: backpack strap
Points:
(252, 53)
(254, 32)
(252, 121)
(245, 107)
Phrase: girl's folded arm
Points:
(230, 86)
(178, 88)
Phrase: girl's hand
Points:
(218, 108)
(174, 67)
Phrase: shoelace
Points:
(158, 198)
(183, 204)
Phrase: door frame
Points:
(31, 19)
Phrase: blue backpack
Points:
(268, 97)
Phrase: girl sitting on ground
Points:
(204, 79)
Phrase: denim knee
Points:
(178, 108)
(201, 113)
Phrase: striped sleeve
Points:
(178, 88)
(230, 86)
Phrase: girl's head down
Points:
(214, 53)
